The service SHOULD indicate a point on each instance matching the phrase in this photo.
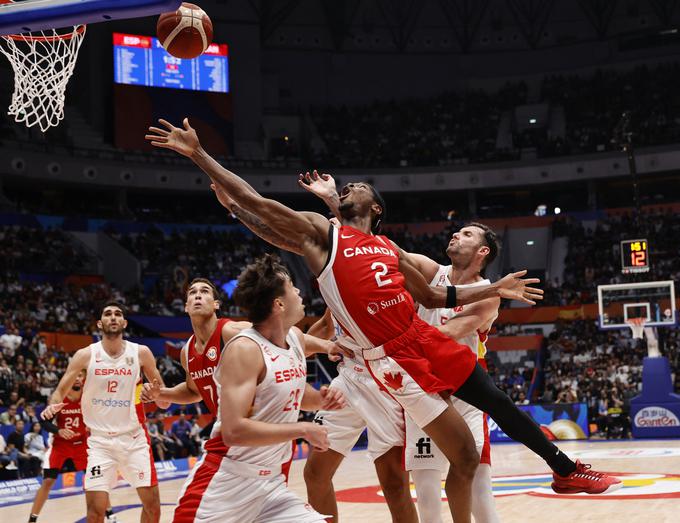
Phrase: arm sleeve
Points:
(49, 426)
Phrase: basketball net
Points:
(637, 325)
(43, 63)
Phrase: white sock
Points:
(429, 491)
(483, 503)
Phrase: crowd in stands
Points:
(594, 257)
(461, 128)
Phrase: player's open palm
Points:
(150, 391)
(321, 185)
(514, 287)
(183, 140)
(316, 435)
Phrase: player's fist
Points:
(332, 399)
(51, 410)
(316, 435)
(66, 433)
(151, 391)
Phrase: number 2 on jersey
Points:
(382, 271)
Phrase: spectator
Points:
(16, 441)
(8, 456)
(181, 432)
(10, 416)
(35, 446)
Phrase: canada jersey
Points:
(202, 366)
(476, 340)
(277, 400)
(70, 417)
(111, 395)
(363, 287)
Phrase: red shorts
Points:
(62, 450)
(433, 360)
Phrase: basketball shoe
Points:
(584, 479)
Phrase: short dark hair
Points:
(216, 294)
(259, 285)
(376, 224)
(490, 240)
(114, 303)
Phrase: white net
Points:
(43, 63)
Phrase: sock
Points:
(561, 464)
(109, 512)
(429, 492)
(483, 504)
(33, 518)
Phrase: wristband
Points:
(450, 296)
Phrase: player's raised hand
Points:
(514, 287)
(321, 185)
(51, 410)
(150, 391)
(332, 399)
(316, 435)
(67, 433)
(182, 140)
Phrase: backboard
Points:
(654, 301)
(26, 16)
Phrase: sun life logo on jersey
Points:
(211, 353)
(372, 308)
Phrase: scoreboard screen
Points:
(634, 256)
(142, 60)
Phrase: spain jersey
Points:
(476, 341)
(363, 287)
(202, 366)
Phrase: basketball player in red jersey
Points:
(361, 276)
(114, 414)
(68, 443)
(199, 356)
(261, 385)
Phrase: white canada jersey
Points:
(477, 340)
(277, 399)
(111, 395)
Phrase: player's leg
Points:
(319, 471)
(151, 504)
(280, 505)
(452, 435)
(394, 483)
(100, 477)
(480, 391)
(49, 477)
(96, 501)
(483, 503)
(428, 483)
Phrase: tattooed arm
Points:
(255, 224)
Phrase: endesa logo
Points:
(656, 417)
(98, 402)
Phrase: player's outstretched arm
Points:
(476, 317)
(78, 363)
(309, 227)
(323, 186)
(182, 393)
(326, 398)
(238, 373)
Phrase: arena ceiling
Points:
(446, 26)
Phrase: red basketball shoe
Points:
(584, 479)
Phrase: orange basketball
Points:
(185, 33)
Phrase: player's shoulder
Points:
(231, 328)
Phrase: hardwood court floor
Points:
(650, 470)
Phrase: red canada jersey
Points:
(202, 366)
(364, 289)
(71, 417)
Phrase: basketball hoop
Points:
(637, 325)
(43, 63)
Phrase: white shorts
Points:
(367, 407)
(423, 454)
(423, 407)
(222, 490)
(129, 453)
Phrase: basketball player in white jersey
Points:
(114, 414)
(470, 250)
(261, 385)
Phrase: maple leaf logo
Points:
(394, 381)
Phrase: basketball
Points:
(185, 33)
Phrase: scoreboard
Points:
(142, 60)
(634, 256)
